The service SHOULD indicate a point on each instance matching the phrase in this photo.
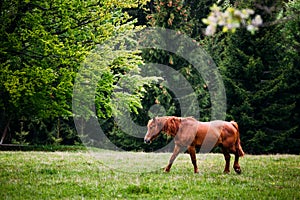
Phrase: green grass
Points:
(79, 175)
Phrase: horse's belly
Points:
(211, 136)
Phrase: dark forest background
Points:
(43, 44)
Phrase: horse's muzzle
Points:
(147, 141)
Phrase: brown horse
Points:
(190, 133)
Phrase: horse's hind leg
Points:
(176, 151)
(236, 165)
(192, 152)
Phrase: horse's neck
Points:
(165, 124)
(171, 126)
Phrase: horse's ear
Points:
(154, 119)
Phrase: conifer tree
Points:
(257, 71)
(176, 15)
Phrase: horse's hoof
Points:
(226, 172)
(167, 170)
(238, 171)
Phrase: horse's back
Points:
(218, 130)
(212, 125)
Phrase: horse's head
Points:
(154, 127)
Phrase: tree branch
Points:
(82, 23)
(279, 21)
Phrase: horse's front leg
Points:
(192, 152)
(227, 160)
(176, 151)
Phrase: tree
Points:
(175, 15)
(109, 87)
(41, 47)
(260, 94)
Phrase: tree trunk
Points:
(5, 132)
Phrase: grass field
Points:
(79, 175)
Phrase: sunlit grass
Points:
(80, 175)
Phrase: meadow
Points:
(81, 175)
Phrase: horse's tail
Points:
(238, 141)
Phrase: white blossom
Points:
(257, 21)
(231, 19)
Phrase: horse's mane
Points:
(172, 124)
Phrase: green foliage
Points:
(258, 87)
(167, 14)
(259, 72)
(171, 15)
(175, 15)
(41, 47)
(20, 136)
